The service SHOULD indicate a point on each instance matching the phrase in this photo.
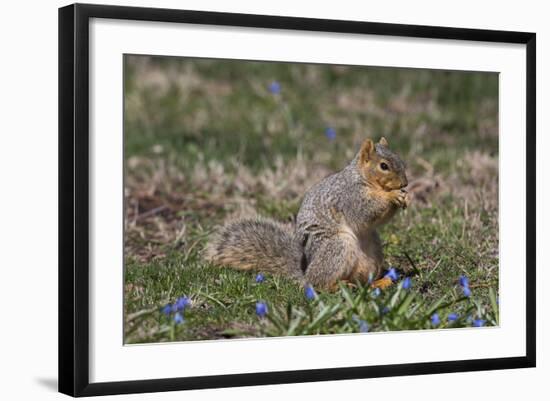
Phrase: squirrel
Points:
(335, 236)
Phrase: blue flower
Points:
(330, 133)
(182, 303)
(178, 318)
(376, 292)
(261, 309)
(260, 278)
(452, 317)
(465, 284)
(478, 323)
(407, 283)
(167, 309)
(275, 87)
(310, 292)
(392, 273)
(435, 319)
(363, 326)
(385, 310)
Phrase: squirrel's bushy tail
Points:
(256, 244)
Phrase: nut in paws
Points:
(401, 198)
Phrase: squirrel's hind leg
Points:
(372, 261)
(334, 260)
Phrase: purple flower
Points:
(330, 133)
(407, 283)
(261, 309)
(182, 303)
(435, 319)
(376, 292)
(392, 273)
(310, 292)
(478, 323)
(275, 87)
(178, 318)
(466, 291)
(260, 278)
(452, 317)
(385, 310)
(167, 309)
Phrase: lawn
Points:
(209, 140)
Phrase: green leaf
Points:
(347, 296)
(395, 297)
(322, 317)
(405, 303)
(277, 322)
(434, 306)
(294, 325)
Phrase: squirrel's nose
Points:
(404, 182)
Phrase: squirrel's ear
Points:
(366, 150)
(383, 142)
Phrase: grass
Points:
(205, 140)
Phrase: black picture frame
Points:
(74, 201)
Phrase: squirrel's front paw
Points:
(401, 198)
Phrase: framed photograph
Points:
(251, 199)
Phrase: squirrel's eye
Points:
(384, 166)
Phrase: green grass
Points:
(205, 140)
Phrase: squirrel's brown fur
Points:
(335, 235)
